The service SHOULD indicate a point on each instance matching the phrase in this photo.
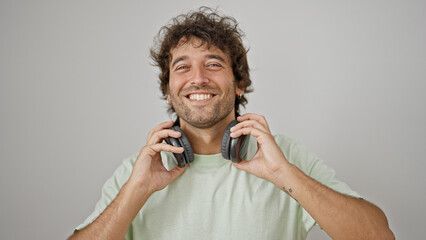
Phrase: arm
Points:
(148, 175)
(117, 217)
(341, 216)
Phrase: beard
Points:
(204, 116)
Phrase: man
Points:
(280, 190)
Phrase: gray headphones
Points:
(230, 146)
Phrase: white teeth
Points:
(200, 97)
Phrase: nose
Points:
(199, 76)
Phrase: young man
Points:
(280, 190)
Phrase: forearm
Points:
(341, 216)
(117, 217)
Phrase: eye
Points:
(181, 68)
(214, 65)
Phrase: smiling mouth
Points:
(200, 96)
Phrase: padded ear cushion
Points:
(183, 140)
(226, 140)
(235, 148)
(180, 157)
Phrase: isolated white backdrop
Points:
(346, 78)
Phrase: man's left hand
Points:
(269, 158)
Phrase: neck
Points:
(206, 141)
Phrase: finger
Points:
(257, 133)
(249, 123)
(252, 116)
(151, 150)
(159, 127)
(158, 136)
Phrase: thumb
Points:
(176, 172)
(242, 165)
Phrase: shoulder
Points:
(290, 147)
(285, 141)
(298, 154)
(293, 149)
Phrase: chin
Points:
(202, 120)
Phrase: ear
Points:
(239, 91)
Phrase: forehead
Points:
(195, 47)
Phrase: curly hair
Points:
(211, 28)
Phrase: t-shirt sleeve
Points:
(314, 167)
(110, 190)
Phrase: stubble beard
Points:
(204, 116)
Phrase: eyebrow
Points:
(178, 60)
(210, 56)
(217, 57)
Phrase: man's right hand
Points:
(149, 173)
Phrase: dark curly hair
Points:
(212, 29)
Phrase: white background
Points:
(78, 95)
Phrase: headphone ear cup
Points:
(235, 148)
(180, 157)
(227, 140)
(184, 142)
(188, 155)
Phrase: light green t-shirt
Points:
(215, 200)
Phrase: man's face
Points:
(202, 87)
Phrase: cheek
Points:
(175, 84)
(231, 83)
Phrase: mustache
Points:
(209, 89)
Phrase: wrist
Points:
(280, 176)
(292, 181)
(288, 179)
(136, 189)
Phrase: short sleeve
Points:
(110, 190)
(297, 154)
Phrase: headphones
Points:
(230, 146)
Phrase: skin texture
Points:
(198, 69)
